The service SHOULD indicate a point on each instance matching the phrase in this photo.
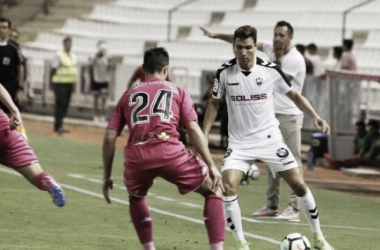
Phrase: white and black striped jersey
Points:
(249, 97)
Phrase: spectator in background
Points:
(14, 35)
(309, 65)
(63, 75)
(337, 54)
(315, 59)
(99, 81)
(360, 136)
(367, 154)
(11, 68)
(348, 61)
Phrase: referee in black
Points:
(11, 65)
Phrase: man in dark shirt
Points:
(11, 64)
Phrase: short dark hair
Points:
(312, 46)
(155, 60)
(66, 39)
(6, 20)
(285, 23)
(338, 50)
(349, 43)
(300, 48)
(245, 32)
(374, 124)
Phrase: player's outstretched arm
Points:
(210, 115)
(198, 140)
(6, 99)
(305, 106)
(109, 145)
(225, 37)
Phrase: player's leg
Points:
(138, 184)
(192, 175)
(58, 107)
(43, 181)
(103, 108)
(270, 209)
(307, 205)
(213, 214)
(96, 109)
(290, 126)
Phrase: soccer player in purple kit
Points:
(152, 111)
(15, 153)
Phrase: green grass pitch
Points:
(29, 220)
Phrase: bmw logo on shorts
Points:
(282, 152)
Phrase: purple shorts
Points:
(14, 151)
(188, 176)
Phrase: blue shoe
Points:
(57, 194)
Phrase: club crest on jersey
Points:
(259, 81)
(164, 136)
(282, 152)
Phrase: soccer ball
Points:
(254, 172)
(295, 241)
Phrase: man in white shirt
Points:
(292, 63)
(248, 83)
(315, 59)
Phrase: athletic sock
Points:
(233, 216)
(309, 209)
(216, 246)
(149, 246)
(43, 181)
(142, 220)
(214, 220)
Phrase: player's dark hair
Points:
(374, 124)
(312, 46)
(6, 20)
(67, 39)
(348, 43)
(245, 32)
(285, 23)
(155, 60)
(338, 51)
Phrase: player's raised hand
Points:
(107, 184)
(322, 125)
(15, 120)
(207, 32)
(216, 178)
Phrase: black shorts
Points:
(99, 88)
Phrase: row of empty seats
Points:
(326, 37)
(302, 5)
(120, 14)
(209, 5)
(118, 47)
(97, 29)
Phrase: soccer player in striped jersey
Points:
(247, 83)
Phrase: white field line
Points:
(248, 219)
(120, 201)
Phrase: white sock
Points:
(233, 216)
(216, 246)
(309, 209)
(149, 246)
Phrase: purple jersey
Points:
(152, 110)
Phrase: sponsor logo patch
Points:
(233, 83)
(282, 152)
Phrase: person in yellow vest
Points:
(63, 74)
